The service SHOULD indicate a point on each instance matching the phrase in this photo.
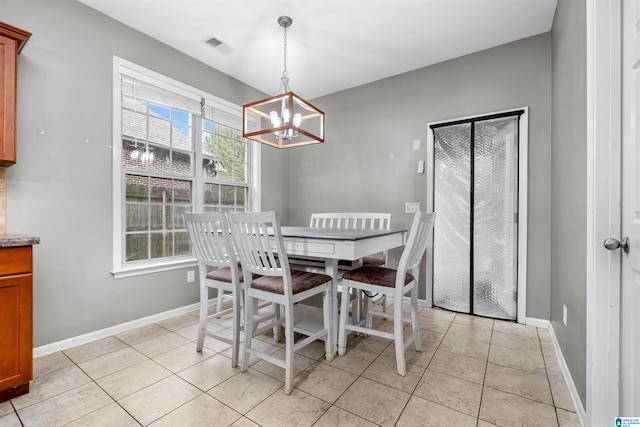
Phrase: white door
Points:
(613, 286)
(604, 213)
(630, 286)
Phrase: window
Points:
(176, 150)
(225, 167)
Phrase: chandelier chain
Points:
(285, 72)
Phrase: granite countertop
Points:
(10, 240)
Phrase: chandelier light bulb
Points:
(286, 116)
(297, 119)
(275, 120)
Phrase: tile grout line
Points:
(105, 391)
(15, 411)
(147, 358)
(544, 360)
(427, 367)
(486, 368)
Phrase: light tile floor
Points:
(472, 372)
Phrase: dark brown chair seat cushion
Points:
(224, 274)
(380, 276)
(300, 282)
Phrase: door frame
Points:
(604, 118)
(523, 174)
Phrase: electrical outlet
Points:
(191, 276)
(564, 314)
(411, 207)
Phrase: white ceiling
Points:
(333, 44)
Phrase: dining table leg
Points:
(331, 269)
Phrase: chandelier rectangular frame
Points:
(258, 125)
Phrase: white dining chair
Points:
(393, 283)
(363, 220)
(258, 240)
(217, 269)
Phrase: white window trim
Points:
(122, 66)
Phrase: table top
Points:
(335, 233)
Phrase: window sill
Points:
(153, 267)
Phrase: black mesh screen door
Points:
(475, 197)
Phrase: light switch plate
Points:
(420, 166)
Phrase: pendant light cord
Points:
(284, 71)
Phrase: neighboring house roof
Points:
(160, 130)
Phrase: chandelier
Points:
(284, 120)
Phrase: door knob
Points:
(613, 244)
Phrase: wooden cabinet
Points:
(12, 40)
(16, 324)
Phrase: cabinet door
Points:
(16, 340)
(8, 101)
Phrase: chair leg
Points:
(248, 333)
(368, 313)
(358, 306)
(364, 308)
(235, 339)
(277, 336)
(204, 312)
(344, 313)
(219, 298)
(288, 337)
(415, 326)
(328, 324)
(398, 337)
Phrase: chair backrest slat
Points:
(363, 220)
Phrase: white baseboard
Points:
(112, 330)
(573, 391)
(538, 323)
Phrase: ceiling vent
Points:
(214, 42)
(219, 45)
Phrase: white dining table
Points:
(333, 244)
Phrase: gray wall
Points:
(367, 162)
(60, 188)
(569, 193)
